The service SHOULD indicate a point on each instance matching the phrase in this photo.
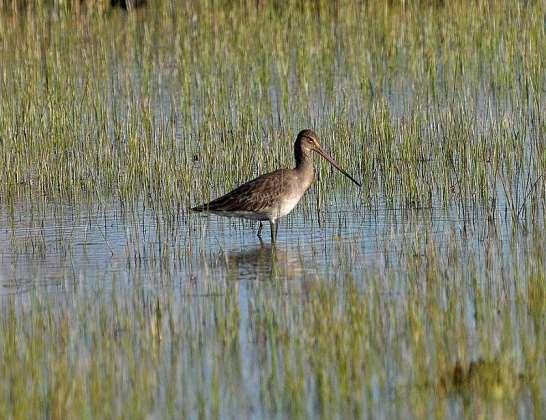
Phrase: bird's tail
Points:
(198, 209)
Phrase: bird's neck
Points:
(304, 163)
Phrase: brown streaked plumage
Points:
(275, 194)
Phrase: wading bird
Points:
(274, 195)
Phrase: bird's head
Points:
(307, 143)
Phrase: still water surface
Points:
(70, 253)
(64, 246)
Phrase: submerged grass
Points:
(113, 123)
(423, 345)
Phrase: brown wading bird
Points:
(275, 194)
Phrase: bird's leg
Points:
(260, 230)
(273, 232)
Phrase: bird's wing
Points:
(255, 195)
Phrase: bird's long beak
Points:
(330, 159)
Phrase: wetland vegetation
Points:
(422, 294)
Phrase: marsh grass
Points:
(423, 294)
(433, 104)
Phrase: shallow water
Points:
(64, 245)
(68, 256)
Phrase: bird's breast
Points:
(287, 205)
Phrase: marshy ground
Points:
(421, 294)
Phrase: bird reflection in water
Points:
(265, 262)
